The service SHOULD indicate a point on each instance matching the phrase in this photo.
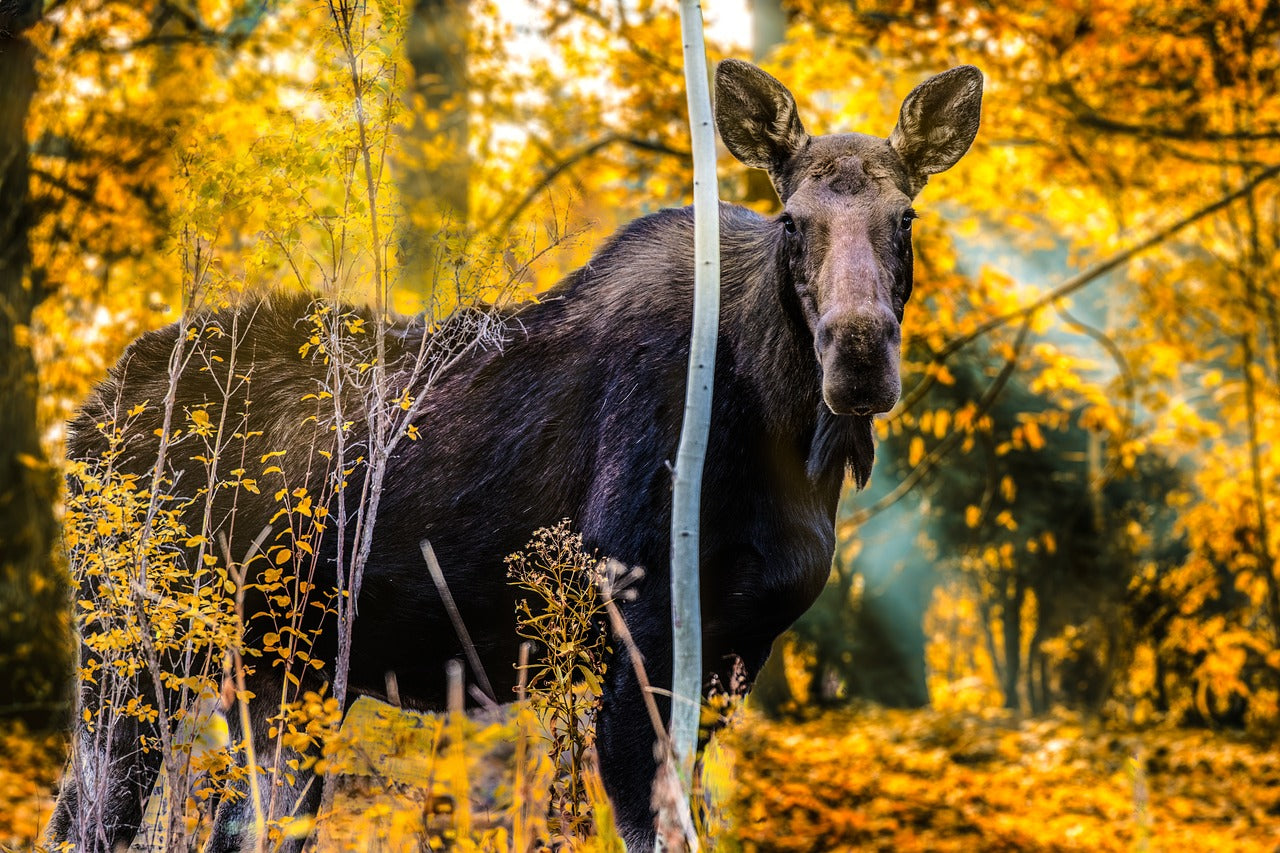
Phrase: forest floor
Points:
(899, 781)
(851, 780)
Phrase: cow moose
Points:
(576, 416)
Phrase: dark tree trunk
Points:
(1037, 677)
(768, 29)
(1012, 624)
(435, 188)
(1032, 677)
(34, 647)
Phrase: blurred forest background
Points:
(1075, 511)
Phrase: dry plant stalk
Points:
(570, 594)
(562, 613)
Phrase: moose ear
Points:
(938, 122)
(757, 116)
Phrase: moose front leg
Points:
(284, 790)
(106, 784)
(626, 739)
(115, 760)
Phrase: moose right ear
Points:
(757, 116)
(938, 122)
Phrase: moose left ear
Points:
(938, 122)
(757, 117)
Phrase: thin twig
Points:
(667, 775)
(576, 157)
(240, 572)
(473, 657)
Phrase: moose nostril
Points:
(841, 332)
(826, 334)
(855, 331)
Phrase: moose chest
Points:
(768, 539)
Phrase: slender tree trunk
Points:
(1037, 685)
(686, 613)
(768, 27)
(34, 649)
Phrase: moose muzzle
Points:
(859, 351)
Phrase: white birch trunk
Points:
(686, 616)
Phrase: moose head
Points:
(845, 228)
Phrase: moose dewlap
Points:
(567, 408)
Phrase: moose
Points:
(576, 415)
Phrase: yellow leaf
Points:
(941, 420)
(916, 451)
(1008, 490)
(1031, 430)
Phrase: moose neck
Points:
(774, 347)
(776, 352)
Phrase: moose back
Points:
(577, 415)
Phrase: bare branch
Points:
(588, 150)
(1100, 269)
(622, 30)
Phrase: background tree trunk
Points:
(436, 179)
(1011, 622)
(34, 647)
(768, 29)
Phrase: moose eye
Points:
(788, 224)
(907, 218)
